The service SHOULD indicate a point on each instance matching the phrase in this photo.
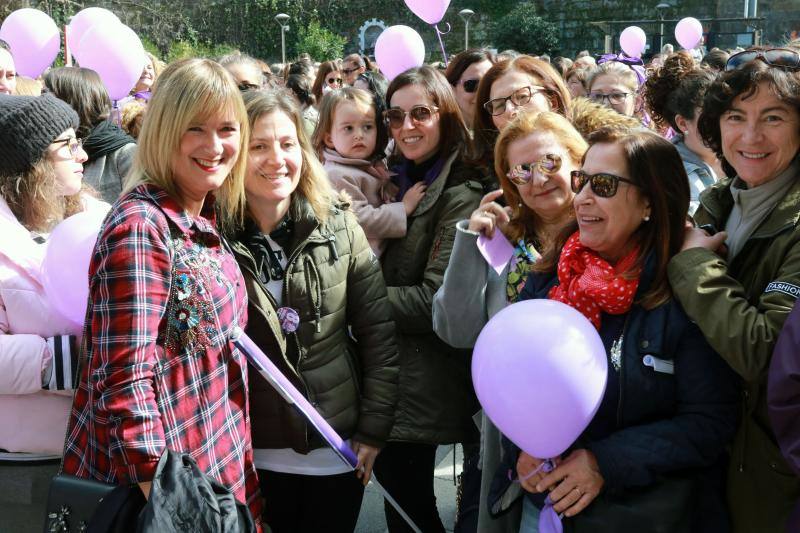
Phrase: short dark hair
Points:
(300, 80)
(84, 91)
(742, 82)
(454, 133)
(716, 59)
(676, 88)
(463, 60)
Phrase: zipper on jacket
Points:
(622, 371)
(332, 245)
(310, 270)
(746, 399)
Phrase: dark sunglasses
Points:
(603, 185)
(245, 86)
(420, 114)
(331, 81)
(522, 174)
(774, 57)
(349, 71)
(470, 86)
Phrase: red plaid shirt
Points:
(161, 372)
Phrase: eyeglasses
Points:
(348, 71)
(613, 98)
(420, 114)
(774, 57)
(247, 86)
(603, 185)
(522, 174)
(519, 98)
(331, 81)
(470, 86)
(74, 145)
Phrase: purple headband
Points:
(635, 63)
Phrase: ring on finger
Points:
(580, 492)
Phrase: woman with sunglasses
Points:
(669, 407)
(464, 73)
(436, 400)
(738, 273)
(534, 157)
(329, 77)
(41, 176)
(508, 88)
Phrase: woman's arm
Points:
(129, 289)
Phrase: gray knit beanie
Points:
(28, 125)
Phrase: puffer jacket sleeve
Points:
(386, 221)
(743, 333)
(370, 317)
(22, 359)
(703, 424)
(459, 306)
(413, 305)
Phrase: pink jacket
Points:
(31, 419)
(362, 183)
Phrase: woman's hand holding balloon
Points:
(575, 483)
(526, 464)
(489, 215)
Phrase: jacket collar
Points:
(433, 192)
(206, 222)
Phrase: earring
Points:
(647, 218)
(519, 205)
(686, 132)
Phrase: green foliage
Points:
(186, 49)
(319, 43)
(150, 46)
(523, 31)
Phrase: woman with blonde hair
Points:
(615, 84)
(319, 309)
(533, 157)
(164, 297)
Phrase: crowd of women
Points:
(334, 217)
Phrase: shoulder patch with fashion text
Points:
(785, 288)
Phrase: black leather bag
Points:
(76, 504)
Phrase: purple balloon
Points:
(688, 32)
(65, 268)
(34, 40)
(398, 49)
(82, 21)
(431, 11)
(633, 40)
(116, 54)
(539, 370)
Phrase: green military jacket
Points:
(437, 400)
(343, 356)
(740, 307)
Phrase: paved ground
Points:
(371, 519)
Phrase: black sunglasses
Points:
(470, 86)
(349, 71)
(603, 184)
(331, 81)
(246, 86)
(774, 57)
(419, 114)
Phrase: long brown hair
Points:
(656, 167)
(84, 91)
(322, 73)
(557, 93)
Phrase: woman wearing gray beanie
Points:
(41, 175)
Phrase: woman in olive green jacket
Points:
(437, 401)
(738, 275)
(318, 309)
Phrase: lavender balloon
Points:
(539, 370)
(398, 49)
(83, 21)
(116, 54)
(688, 32)
(431, 11)
(34, 40)
(633, 40)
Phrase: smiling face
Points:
(8, 73)
(466, 101)
(547, 195)
(505, 86)
(417, 141)
(68, 166)
(760, 136)
(607, 225)
(275, 160)
(353, 132)
(205, 157)
(147, 78)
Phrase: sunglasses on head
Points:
(522, 174)
(331, 81)
(774, 57)
(420, 114)
(470, 86)
(603, 184)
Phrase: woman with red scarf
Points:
(648, 459)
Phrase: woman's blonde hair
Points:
(28, 86)
(314, 185)
(524, 221)
(620, 71)
(189, 91)
(327, 112)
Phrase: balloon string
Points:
(439, 34)
(545, 466)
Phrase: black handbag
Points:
(80, 505)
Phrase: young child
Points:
(351, 145)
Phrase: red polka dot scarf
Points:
(590, 284)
